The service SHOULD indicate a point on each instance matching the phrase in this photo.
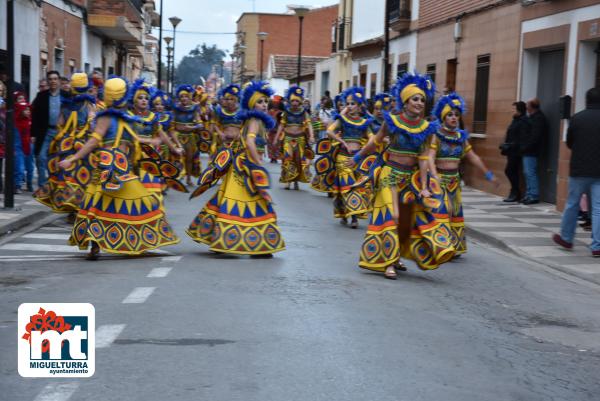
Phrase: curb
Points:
(26, 218)
(482, 236)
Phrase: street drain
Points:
(211, 342)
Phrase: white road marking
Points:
(520, 234)
(539, 221)
(63, 237)
(57, 391)
(171, 259)
(139, 295)
(6, 216)
(107, 334)
(499, 224)
(485, 216)
(159, 272)
(55, 228)
(37, 256)
(39, 247)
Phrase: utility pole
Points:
(159, 84)
(386, 48)
(9, 184)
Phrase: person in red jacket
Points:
(23, 126)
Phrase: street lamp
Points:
(233, 54)
(300, 11)
(168, 40)
(170, 69)
(174, 21)
(262, 36)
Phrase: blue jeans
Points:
(532, 184)
(577, 187)
(42, 158)
(19, 163)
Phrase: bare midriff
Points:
(185, 127)
(447, 164)
(231, 133)
(294, 130)
(405, 159)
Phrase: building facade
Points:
(81, 35)
(282, 38)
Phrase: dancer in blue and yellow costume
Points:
(346, 136)
(239, 218)
(401, 222)
(160, 104)
(226, 124)
(148, 127)
(448, 147)
(295, 133)
(186, 124)
(64, 190)
(206, 139)
(118, 214)
(382, 102)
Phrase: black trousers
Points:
(512, 171)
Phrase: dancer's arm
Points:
(165, 139)
(331, 133)
(251, 141)
(473, 158)
(102, 125)
(370, 147)
(311, 132)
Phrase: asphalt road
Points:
(308, 324)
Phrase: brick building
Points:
(282, 39)
(494, 52)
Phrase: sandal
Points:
(296, 186)
(94, 252)
(287, 187)
(390, 273)
(354, 223)
(343, 221)
(400, 266)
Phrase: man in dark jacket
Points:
(46, 111)
(531, 147)
(518, 128)
(583, 138)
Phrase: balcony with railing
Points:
(118, 20)
(399, 15)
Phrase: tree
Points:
(198, 63)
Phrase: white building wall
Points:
(27, 41)
(329, 65)
(404, 44)
(367, 20)
(279, 85)
(91, 49)
(374, 65)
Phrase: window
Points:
(111, 70)
(86, 68)
(482, 78)
(340, 87)
(373, 84)
(71, 66)
(363, 79)
(431, 71)
(598, 65)
(402, 69)
(354, 80)
(26, 73)
(451, 75)
(334, 37)
(324, 81)
(59, 61)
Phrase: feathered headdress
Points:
(189, 89)
(411, 84)
(252, 91)
(229, 91)
(356, 92)
(138, 87)
(158, 96)
(337, 99)
(294, 92)
(446, 103)
(384, 99)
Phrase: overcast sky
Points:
(216, 16)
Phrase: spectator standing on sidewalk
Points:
(23, 143)
(583, 138)
(46, 109)
(531, 147)
(518, 128)
(2, 131)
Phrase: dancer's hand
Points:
(425, 193)
(66, 164)
(178, 151)
(350, 163)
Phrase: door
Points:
(550, 82)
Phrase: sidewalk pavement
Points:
(26, 211)
(522, 230)
(527, 232)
